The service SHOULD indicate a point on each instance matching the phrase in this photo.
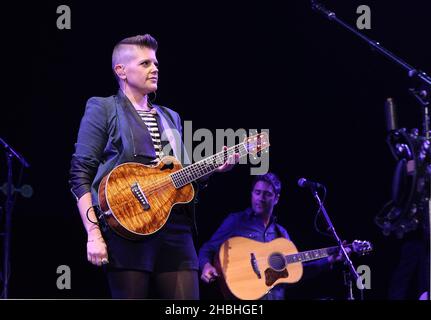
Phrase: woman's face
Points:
(141, 70)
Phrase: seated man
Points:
(257, 223)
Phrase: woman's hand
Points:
(97, 252)
(230, 162)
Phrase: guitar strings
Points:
(221, 157)
(195, 169)
(303, 253)
(201, 167)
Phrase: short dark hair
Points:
(142, 41)
(145, 40)
(269, 178)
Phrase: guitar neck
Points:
(312, 254)
(206, 166)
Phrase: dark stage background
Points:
(317, 88)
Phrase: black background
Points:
(264, 65)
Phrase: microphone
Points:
(304, 183)
(391, 115)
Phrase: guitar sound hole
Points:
(277, 261)
(167, 166)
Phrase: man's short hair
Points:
(142, 41)
(269, 178)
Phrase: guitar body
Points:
(137, 199)
(251, 268)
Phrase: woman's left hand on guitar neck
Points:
(230, 162)
(227, 166)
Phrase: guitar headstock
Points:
(362, 247)
(256, 143)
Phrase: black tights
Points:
(130, 284)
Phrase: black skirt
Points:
(169, 249)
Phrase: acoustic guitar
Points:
(136, 199)
(251, 268)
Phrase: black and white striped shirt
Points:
(150, 121)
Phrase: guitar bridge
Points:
(254, 265)
(139, 194)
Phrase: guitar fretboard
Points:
(201, 168)
(310, 255)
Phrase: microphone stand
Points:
(351, 274)
(10, 154)
(422, 93)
